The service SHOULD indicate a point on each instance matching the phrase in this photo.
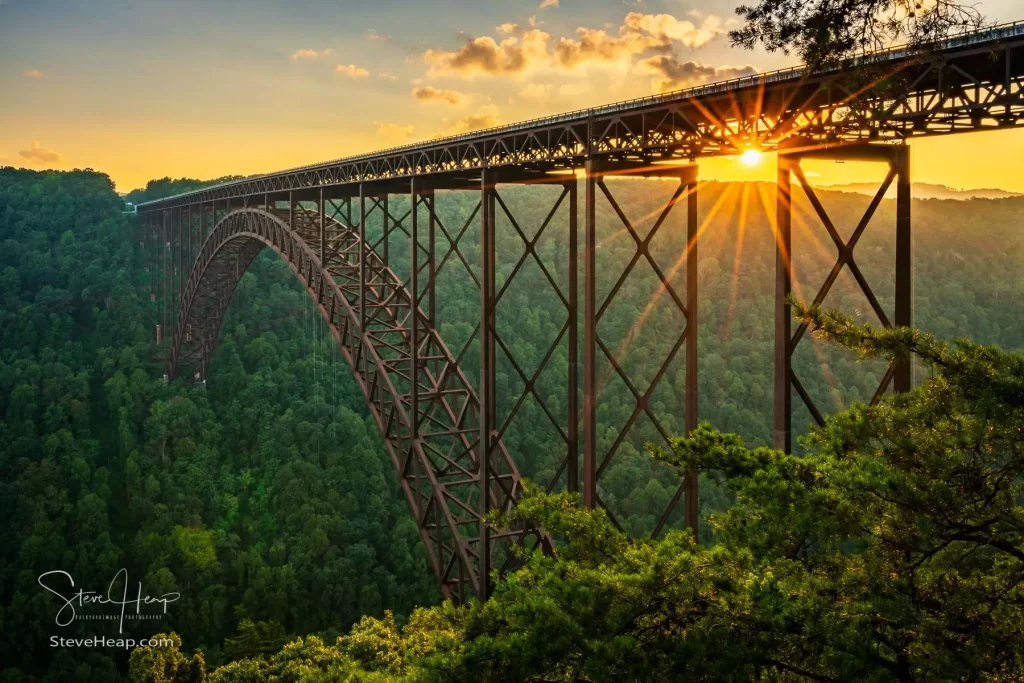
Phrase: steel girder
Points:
(426, 410)
(898, 374)
(974, 82)
(594, 347)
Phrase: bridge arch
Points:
(432, 440)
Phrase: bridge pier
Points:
(594, 463)
(790, 156)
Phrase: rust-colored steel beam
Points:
(904, 313)
(439, 465)
(572, 410)
(590, 337)
(692, 495)
(165, 246)
(487, 373)
(782, 435)
(897, 160)
(594, 463)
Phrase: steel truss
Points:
(973, 82)
(441, 423)
(595, 463)
(897, 159)
(429, 415)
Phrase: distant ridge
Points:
(926, 191)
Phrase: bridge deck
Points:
(966, 83)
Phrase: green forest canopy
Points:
(260, 505)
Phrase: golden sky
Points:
(149, 88)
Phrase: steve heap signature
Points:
(66, 614)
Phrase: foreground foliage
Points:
(825, 33)
(892, 551)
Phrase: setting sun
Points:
(751, 157)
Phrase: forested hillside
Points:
(266, 496)
(104, 466)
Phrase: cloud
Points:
(672, 74)
(33, 73)
(372, 35)
(484, 55)
(639, 34)
(386, 76)
(300, 55)
(547, 3)
(351, 71)
(40, 155)
(393, 131)
(667, 27)
(471, 123)
(430, 94)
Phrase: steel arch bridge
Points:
(442, 430)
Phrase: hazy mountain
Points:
(927, 191)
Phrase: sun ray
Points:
(799, 294)
(638, 323)
(738, 254)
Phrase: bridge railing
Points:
(1000, 32)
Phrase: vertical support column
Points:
(590, 339)
(431, 259)
(572, 475)
(692, 510)
(783, 438)
(487, 404)
(188, 264)
(904, 314)
(414, 323)
(384, 232)
(153, 254)
(323, 230)
(165, 246)
(179, 252)
(154, 264)
(291, 225)
(362, 258)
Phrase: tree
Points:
(165, 664)
(892, 551)
(824, 32)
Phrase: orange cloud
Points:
(548, 3)
(673, 74)
(486, 56)
(372, 35)
(33, 73)
(471, 123)
(640, 35)
(351, 71)
(667, 27)
(300, 55)
(40, 155)
(429, 94)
